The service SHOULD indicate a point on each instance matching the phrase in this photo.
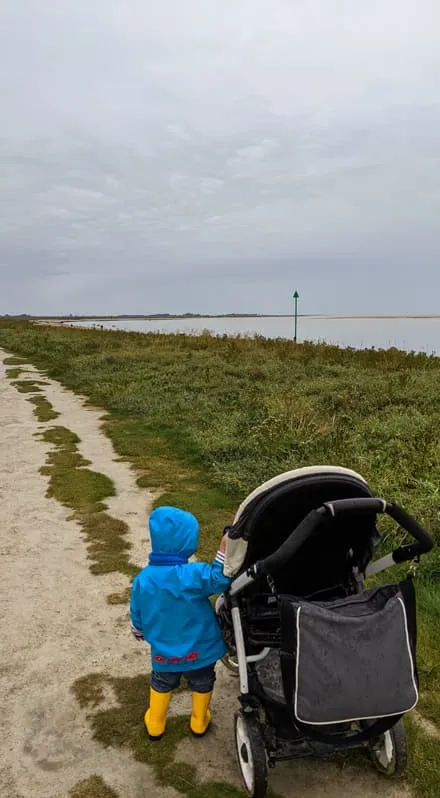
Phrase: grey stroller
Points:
(324, 664)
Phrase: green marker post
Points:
(295, 300)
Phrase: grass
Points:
(13, 374)
(122, 726)
(423, 765)
(177, 482)
(43, 410)
(93, 787)
(205, 420)
(208, 419)
(27, 386)
(14, 361)
(428, 601)
(120, 598)
(84, 492)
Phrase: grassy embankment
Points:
(207, 420)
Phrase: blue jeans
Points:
(199, 681)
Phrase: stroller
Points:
(324, 664)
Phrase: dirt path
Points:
(56, 626)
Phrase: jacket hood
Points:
(173, 531)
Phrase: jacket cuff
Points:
(137, 632)
(220, 557)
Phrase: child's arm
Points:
(135, 618)
(208, 579)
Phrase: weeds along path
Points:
(73, 684)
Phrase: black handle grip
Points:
(294, 542)
(424, 542)
(313, 520)
(406, 521)
(355, 506)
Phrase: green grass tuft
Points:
(63, 438)
(107, 546)
(27, 386)
(89, 690)
(93, 787)
(84, 492)
(13, 374)
(14, 361)
(120, 598)
(43, 409)
(77, 487)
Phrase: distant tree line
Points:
(134, 316)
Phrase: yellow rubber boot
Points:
(201, 716)
(155, 718)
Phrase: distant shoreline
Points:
(185, 317)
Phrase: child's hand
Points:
(222, 546)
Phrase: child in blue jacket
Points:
(170, 609)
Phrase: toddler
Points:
(170, 610)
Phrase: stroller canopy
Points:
(271, 512)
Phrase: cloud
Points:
(253, 152)
(212, 155)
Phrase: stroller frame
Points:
(258, 743)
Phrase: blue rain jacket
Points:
(169, 604)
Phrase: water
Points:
(410, 334)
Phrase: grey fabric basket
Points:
(354, 657)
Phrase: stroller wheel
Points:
(251, 754)
(388, 753)
(230, 662)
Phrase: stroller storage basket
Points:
(351, 659)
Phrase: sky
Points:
(201, 156)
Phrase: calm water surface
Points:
(420, 335)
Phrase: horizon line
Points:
(179, 316)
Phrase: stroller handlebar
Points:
(347, 507)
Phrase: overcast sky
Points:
(192, 155)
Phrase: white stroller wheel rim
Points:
(388, 752)
(385, 751)
(244, 753)
(388, 747)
